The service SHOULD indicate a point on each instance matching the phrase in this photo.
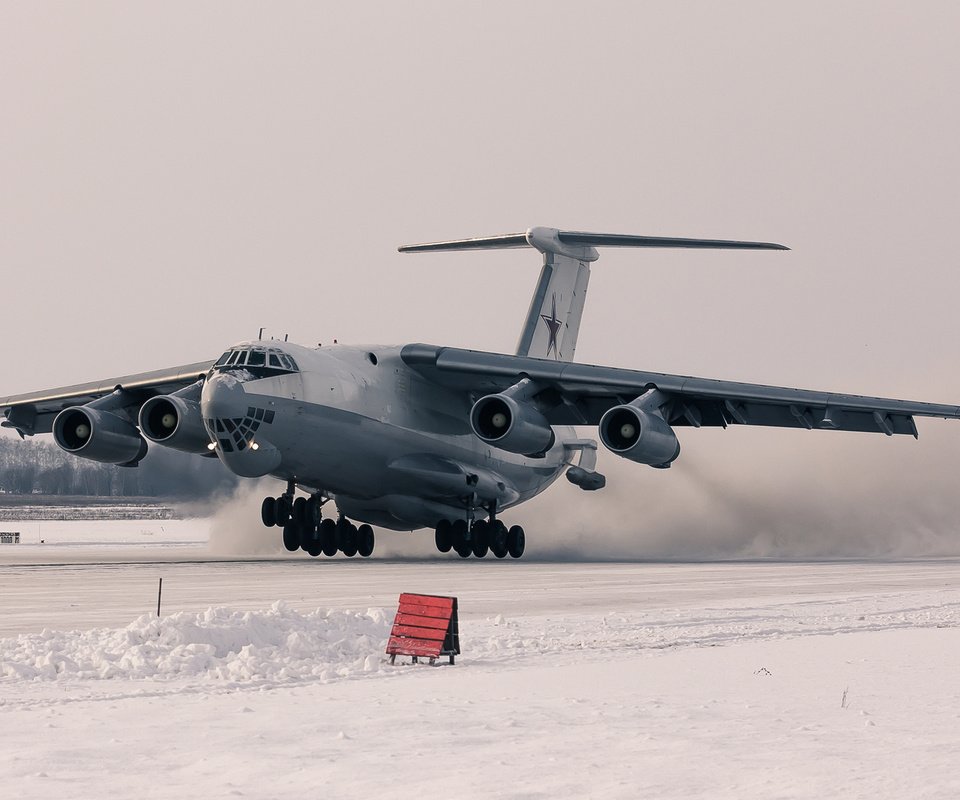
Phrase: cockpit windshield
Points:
(261, 361)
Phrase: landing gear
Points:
(303, 528)
(328, 537)
(479, 533)
(516, 541)
(479, 539)
(268, 511)
(498, 540)
(347, 537)
(365, 541)
(291, 536)
(444, 536)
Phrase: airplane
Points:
(422, 436)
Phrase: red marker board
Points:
(426, 626)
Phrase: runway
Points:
(783, 679)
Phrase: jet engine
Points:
(500, 420)
(638, 432)
(99, 435)
(174, 422)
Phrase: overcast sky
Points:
(174, 176)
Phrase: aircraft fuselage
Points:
(359, 425)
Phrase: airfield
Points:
(265, 675)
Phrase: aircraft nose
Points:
(223, 397)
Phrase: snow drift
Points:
(217, 644)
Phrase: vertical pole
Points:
(159, 593)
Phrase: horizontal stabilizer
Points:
(534, 236)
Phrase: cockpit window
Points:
(261, 361)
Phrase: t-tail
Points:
(552, 324)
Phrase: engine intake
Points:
(174, 422)
(639, 433)
(518, 427)
(99, 436)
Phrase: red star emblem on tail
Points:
(553, 328)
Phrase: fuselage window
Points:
(372, 357)
(223, 359)
(233, 357)
(257, 358)
(275, 362)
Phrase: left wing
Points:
(580, 394)
(34, 412)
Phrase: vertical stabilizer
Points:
(553, 321)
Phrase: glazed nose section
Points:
(240, 427)
(223, 397)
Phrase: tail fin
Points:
(553, 321)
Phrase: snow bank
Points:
(277, 644)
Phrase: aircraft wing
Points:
(34, 412)
(579, 394)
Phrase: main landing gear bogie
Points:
(479, 539)
(303, 528)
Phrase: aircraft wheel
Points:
(479, 535)
(299, 510)
(516, 541)
(283, 510)
(444, 536)
(291, 536)
(308, 538)
(365, 541)
(465, 551)
(347, 534)
(328, 537)
(312, 511)
(458, 535)
(498, 539)
(268, 511)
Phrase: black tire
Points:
(444, 536)
(516, 541)
(328, 537)
(498, 540)
(299, 510)
(465, 551)
(308, 538)
(458, 535)
(312, 511)
(365, 541)
(479, 538)
(347, 536)
(291, 536)
(268, 511)
(283, 510)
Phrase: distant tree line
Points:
(39, 466)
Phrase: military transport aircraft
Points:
(419, 436)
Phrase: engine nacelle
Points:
(98, 435)
(502, 421)
(174, 422)
(640, 435)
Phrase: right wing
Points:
(580, 394)
(34, 412)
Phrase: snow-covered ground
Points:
(268, 679)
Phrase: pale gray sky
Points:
(173, 176)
